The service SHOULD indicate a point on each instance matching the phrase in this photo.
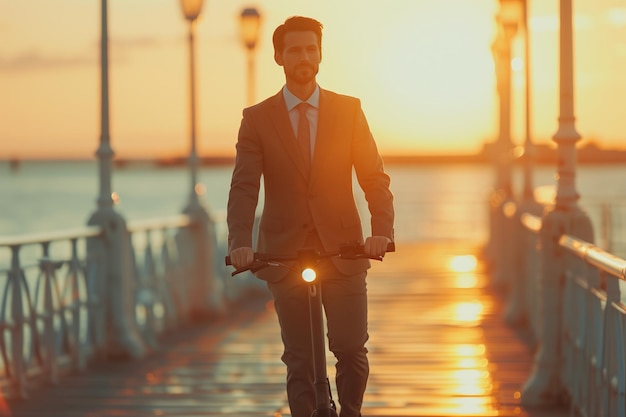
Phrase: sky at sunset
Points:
(422, 68)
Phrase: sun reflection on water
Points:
(463, 263)
(465, 268)
(470, 350)
(466, 281)
(472, 381)
(469, 313)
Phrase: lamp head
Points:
(191, 8)
(511, 14)
(250, 23)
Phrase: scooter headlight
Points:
(308, 275)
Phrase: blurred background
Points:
(424, 70)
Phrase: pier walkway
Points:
(438, 347)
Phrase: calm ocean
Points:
(440, 202)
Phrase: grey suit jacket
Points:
(296, 200)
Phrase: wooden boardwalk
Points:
(438, 347)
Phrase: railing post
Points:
(17, 368)
(516, 312)
(167, 290)
(115, 286)
(206, 290)
(48, 271)
(121, 334)
(78, 353)
(532, 267)
(545, 387)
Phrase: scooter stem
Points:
(319, 348)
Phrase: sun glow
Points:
(423, 70)
(437, 82)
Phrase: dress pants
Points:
(345, 305)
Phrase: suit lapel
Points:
(325, 128)
(280, 119)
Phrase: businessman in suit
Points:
(305, 143)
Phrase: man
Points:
(305, 155)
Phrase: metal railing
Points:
(162, 283)
(45, 303)
(60, 309)
(568, 297)
(594, 371)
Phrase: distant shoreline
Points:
(542, 155)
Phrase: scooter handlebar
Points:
(349, 251)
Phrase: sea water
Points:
(433, 201)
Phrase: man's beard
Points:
(302, 78)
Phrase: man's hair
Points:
(294, 24)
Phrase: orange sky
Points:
(423, 69)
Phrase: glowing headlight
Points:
(308, 275)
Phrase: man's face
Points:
(300, 57)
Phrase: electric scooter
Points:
(307, 260)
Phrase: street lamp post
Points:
(116, 331)
(205, 289)
(509, 18)
(529, 150)
(517, 312)
(499, 254)
(545, 387)
(566, 136)
(250, 23)
(191, 11)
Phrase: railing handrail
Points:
(531, 222)
(590, 253)
(35, 238)
(595, 256)
(179, 220)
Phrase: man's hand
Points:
(376, 245)
(241, 257)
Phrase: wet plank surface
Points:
(438, 347)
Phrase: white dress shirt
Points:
(312, 112)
